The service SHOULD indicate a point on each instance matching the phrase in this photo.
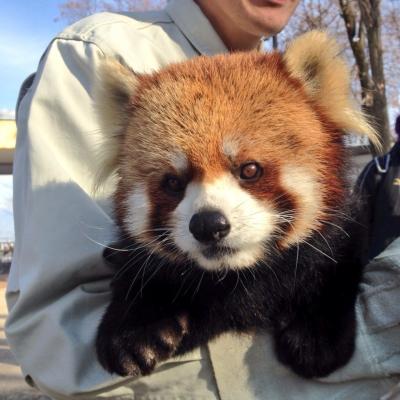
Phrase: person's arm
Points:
(365, 188)
(58, 287)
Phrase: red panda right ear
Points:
(115, 86)
(114, 89)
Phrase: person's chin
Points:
(270, 3)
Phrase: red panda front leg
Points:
(313, 348)
(137, 344)
(319, 336)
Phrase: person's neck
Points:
(233, 38)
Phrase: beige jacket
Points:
(58, 286)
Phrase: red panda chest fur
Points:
(233, 207)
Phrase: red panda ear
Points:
(314, 59)
(115, 86)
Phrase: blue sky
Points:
(26, 28)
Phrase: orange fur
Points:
(258, 102)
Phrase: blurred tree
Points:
(72, 10)
(391, 49)
(369, 31)
(366, 44)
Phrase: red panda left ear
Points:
(115, 86)
(314, 58)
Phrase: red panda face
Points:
(224, 160)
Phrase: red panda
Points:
(233, 205)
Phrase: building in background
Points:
(8, 133)
(6, 253)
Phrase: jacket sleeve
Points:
(365, 188)
(58, 285)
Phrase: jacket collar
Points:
(195, 26)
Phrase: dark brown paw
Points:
(311, 353)
(138, 350)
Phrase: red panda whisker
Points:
(92, 226)
(198, 286)
(131, 260)
(126, 268)
(295, 267)
(156, 229)
(336, 226)
(134, 207)
(190, 283)
(225, 270)
(340, 215)
(187, 274)
(277, 233)
(142, 267)
(239, 205)
(104, 245)
(244, 287)
(290, 211)
(237, 281)
(283, 218)
(340, 218)
(255, 213)
(245, 278)
(128, 264)
(264, 264)
(153, 274)
(145, 244)
(327, 243)
(253, 273)
(275, 199)
(144, 270)
(319, 251)
(337, 212)
(132, 302)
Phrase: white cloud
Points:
(6, 113)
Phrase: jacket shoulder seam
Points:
(85, 33)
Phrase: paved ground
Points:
(12, 384)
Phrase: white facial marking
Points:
(138, 206)
(179, 161)
(230, 148)
(301, 182)
(252, 223)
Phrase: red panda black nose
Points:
(209, 226)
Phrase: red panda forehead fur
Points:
(250, 102)
(193, 108)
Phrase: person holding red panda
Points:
(59, 282)
(379, 186)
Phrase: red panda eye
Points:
(173, 184)
(250, 171)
